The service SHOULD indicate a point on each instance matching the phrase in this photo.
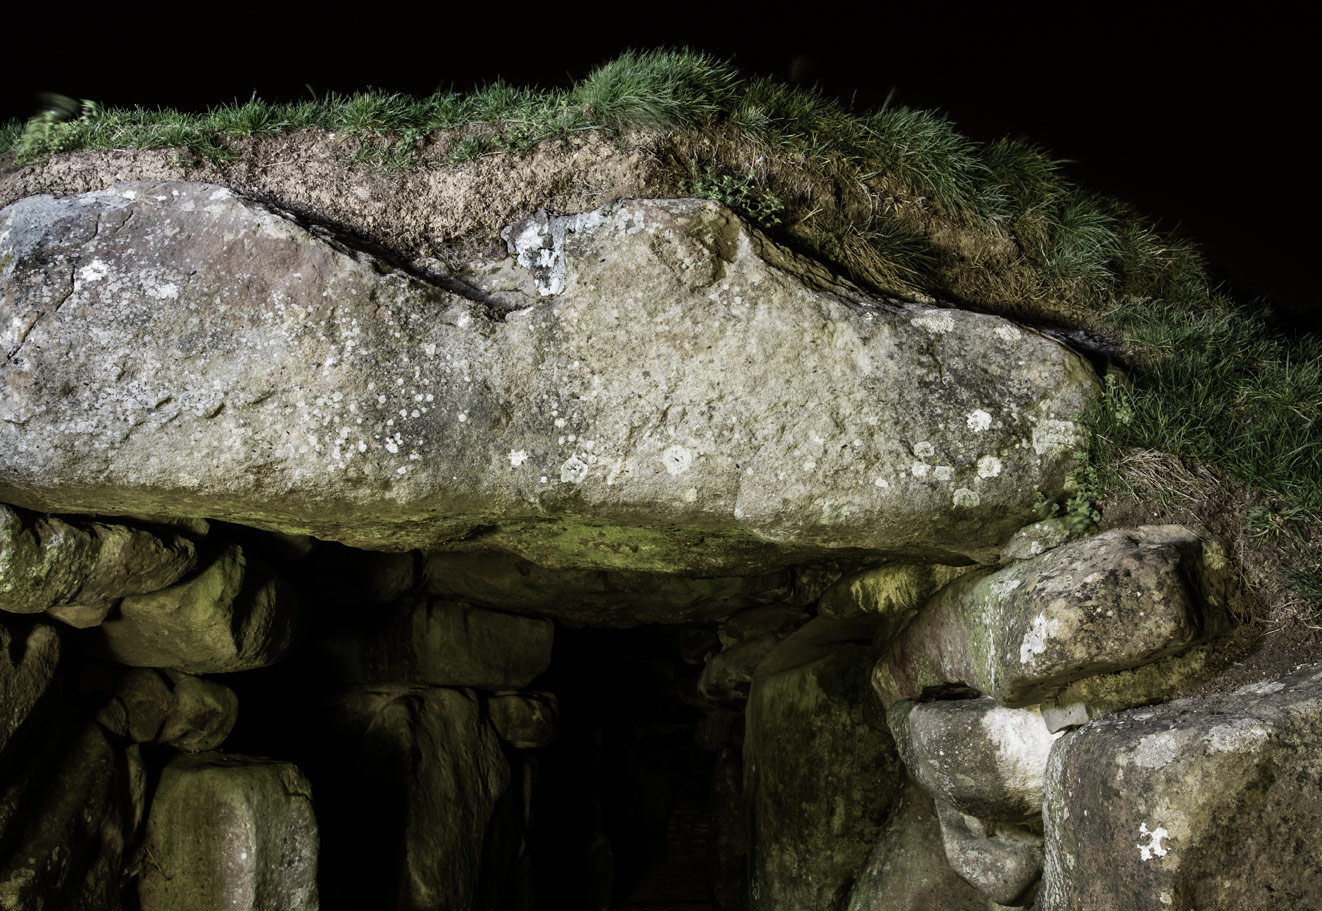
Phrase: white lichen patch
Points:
(978, 420)
(1003, 587)
(94, 271)
(1052, 436)
(573, 470)
(677, 460)
(989, 467)
(518, 457)
(966, 498)
(1007, 333)
(1035, 643)
(1023, 744)
(919, 469)
(1151, 845)
(938, 322)
(1153, 751)
(924, 450)
(1237, 735)
(943, 472)
(882, 483)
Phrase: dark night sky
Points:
(1197, 118)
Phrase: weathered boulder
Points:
(29, 656)
(235, 614)
(618, 598)
(1035, 540)
(525, 721)
(67, 805)
(48, 562)
(414, 822)
(907, 869)
(228, 831)
(1003, 861)
(190, 714)
(675, 393)
(817, 782)
(1209, 802)
(1110, 602)
(442, 643)
(982, 758)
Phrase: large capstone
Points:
(670, 392)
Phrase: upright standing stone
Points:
(231, 832)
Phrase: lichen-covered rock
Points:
(1114, 601)
(907, 869)
(1002, 860)
(670, 391)
(29, 656)
(416, 810)
(66, 812)
(525, 721)
(817, 782)
(619, 598)
(233, 615)
(229, 831)
(979, 756)
(48, 562)
(442, 643)
(1209, 802)
(1036, 539)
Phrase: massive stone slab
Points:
(1114, 601)
(675, 394)
(1211, 802)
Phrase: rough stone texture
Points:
(189, 714)
(525, 721)
(907, 869)
(818, 781)
(728, 674)
(45, 561)
(622, 598)
(29, 656)
(1035, 540)
(1212, 802)
(670, 392)
(415, 823)
(66, 810)
(819, 637)
(1114, 601)
(443, 643)
(895, 591)
(984, 759)
(1003, 861)
(235, 614)
(228, 831)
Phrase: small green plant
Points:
(742, 194)
(56, 127)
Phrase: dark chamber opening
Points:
(617, 814)
(621, 817)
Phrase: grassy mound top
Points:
(1203, 396)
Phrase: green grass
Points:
(1208, 381)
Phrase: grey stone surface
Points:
(680, 381)
(1111, 602)
(235, 614)
(979, 756)
(1003, 861)
(907, 869)
(1209, 802)
(232, 832)
(47, 562)
(817, 782)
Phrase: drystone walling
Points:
(311, 555)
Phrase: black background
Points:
(1201, 119)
